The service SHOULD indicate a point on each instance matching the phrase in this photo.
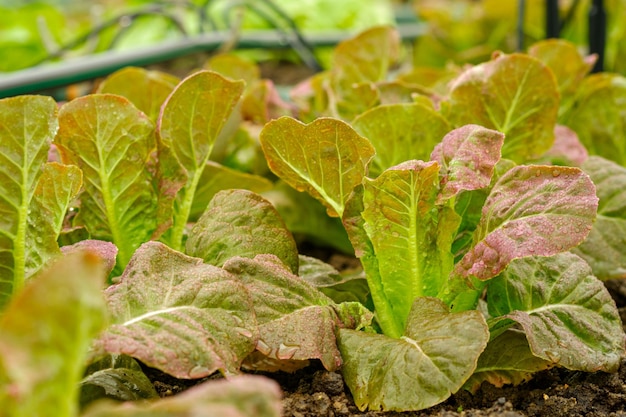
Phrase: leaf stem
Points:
(181, 214)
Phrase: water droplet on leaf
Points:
(198, 371)
(262, 347)
(286, 351)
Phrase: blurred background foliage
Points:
(457, 31)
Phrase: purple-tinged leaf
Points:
(216, 177)
(400, 132)
(326, 158)
(178, 314)
(411, 236)
(513, 94)
(432, 360)
(106, 251)
(296, 321)
(598, 116)
(147, 90)
(111, 140)
(27, 125)
(531, 210)
(46, 331)
(604, 248)
(507, 359)
(241, 223)
(467, 156)
(567, 314)
(566, 150)
(191, 119)
(56, 188)
(241, 396)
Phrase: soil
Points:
(315, 392)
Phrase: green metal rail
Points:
(70, 71)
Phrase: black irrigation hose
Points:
(597, 33)
(553, 24)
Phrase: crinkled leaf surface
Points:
(216, 177)
(400, 132)
(567, 314)
(296, 321)
(146, 89)
(111, 141)
(513, 94)
(241, 223)
(507, 359)
(27, 126)
(326, 158)
(604, 249)
(190, 121)
(411, 237)
(468, 156)
(531, 210)
(598, 116)
(178, 314)
(241, 396)
(46, 331)
(433, 359)
(57, 186)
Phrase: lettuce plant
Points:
(407, 226)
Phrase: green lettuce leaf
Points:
(118, 377)
(241, 396)
(433, 359)
(46, 331)
(111, 141)
(400, 132)
(567, 314)
(191, 119)
(178, 314)
(146, 89)
(27, 126)
(513, 94)
(507, 359)
(411, 237)
(241, 223)
(597, 116)
(604, 247)
(326, 158)
(531, 210)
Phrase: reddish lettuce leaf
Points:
(178, 314)
(531, 210)
(468, 156)
(296, 321)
